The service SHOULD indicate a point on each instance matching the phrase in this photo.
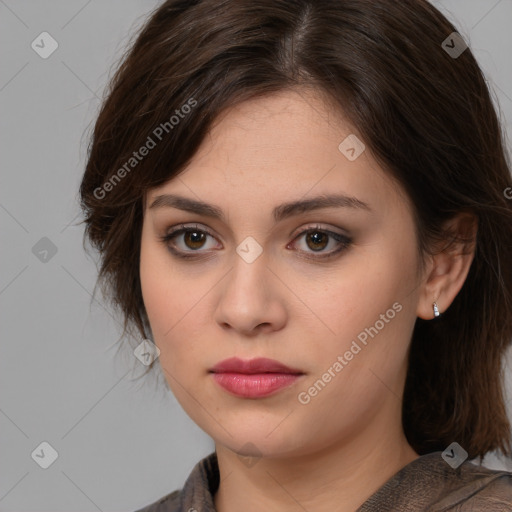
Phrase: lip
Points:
(252, 366)
(255, 378)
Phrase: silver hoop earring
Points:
(436, 309)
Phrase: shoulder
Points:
(495, 495)
(432, 484)
(477, 489)
(169, 503)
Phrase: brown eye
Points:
(186, 240)
(192, 242)
(194, 239)
(318, 240)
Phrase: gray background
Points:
(122, 443)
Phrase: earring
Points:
(436, 309)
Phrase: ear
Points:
(449, 266)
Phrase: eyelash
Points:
(343, 240)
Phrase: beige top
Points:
(428, 483)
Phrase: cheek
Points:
(154, 285)
(172, 299)
(161, 303)
(160, 279)
(370, 302)
(366, 289)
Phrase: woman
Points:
(303, 205)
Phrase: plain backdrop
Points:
(120, 443)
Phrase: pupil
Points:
(196, 238)
(317, 239)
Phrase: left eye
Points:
(316, 240)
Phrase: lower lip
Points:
(255, 385)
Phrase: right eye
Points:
(194, 239)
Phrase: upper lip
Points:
(251, 366)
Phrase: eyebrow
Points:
(279, 213)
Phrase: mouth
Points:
(253, 366)
(256, 378)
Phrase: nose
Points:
(251, 299)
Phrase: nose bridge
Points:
(248, 297)
(248, 279)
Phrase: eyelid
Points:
(189, 227)
(316, 226)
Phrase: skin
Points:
(290, 305)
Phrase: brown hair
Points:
(426, 115)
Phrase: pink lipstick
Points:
(255, 378)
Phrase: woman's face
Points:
(257, 285)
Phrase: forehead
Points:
(280, 147)
(290, 123)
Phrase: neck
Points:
(341, 476)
